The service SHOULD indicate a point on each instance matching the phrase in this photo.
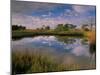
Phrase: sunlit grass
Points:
(91, 36)
(27, 62)
(35, 62)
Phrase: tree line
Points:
(59, 27)
(18, 27)
(65, 27)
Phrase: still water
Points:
(68, 50)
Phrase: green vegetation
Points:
(65, 27)
(35, 62)
(19, 31)
(28, 62)
(26, 33)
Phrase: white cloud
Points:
(79, 9)
(83, 9)
(69, 12)
(48, 15)
(41, 14)
(35, 22)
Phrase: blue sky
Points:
(36, 14)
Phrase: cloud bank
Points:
(35, 14)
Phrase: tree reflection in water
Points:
(66, 39)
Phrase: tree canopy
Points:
(16, 27)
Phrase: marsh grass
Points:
(24, 62)
(91, 36)
(29, 62)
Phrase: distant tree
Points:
(16, 27)
(70, 26)
(92, 22)
(66, 27)
(47, 27)
(37, 29)
(85, 27)
(59, 27)
(43, 27)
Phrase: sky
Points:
(36, 14)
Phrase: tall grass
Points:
(35, 62)
(32, 62)
(92, 39)
(91, 36)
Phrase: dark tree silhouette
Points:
(16, 27)
(47, 27)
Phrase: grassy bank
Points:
(25, 33)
